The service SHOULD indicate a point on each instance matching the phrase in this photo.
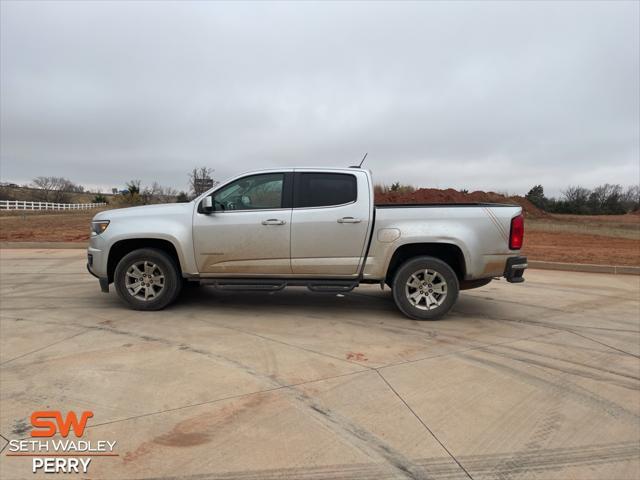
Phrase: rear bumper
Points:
(514, 270)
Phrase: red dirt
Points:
(629, 218)
(581, 248)
(72, 227)
(433, 195)
(360, 357)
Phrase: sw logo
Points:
(50, 455)
(45, 427)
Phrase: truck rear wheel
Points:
(425, 288)
(147, 279)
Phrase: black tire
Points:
(427, 310)
(165, 265)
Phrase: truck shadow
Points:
(289, 297)
(369, 302)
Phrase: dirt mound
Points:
(434, 195)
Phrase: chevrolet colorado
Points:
(313, 227)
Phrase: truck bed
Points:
(480, 230)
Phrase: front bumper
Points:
(97, 262)
(514, 270)
(104, 281)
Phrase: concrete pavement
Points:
(538, 380)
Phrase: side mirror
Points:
(207, 205)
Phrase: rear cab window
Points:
(324, 189)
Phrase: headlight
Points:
(99, 226)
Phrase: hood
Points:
(146, 211)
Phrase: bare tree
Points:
(200, 180)
(156, 193)
(606, 199)
(55, 189)
(631, 198)
(576, 195)
(162, 191)
(45, 185)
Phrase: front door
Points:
(249, 231)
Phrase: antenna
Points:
(361, 162)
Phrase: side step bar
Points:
(271, 285)
(249, 285)
(332, 286)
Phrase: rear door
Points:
(329, 222)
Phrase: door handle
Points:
(349, 220)
(273, 221)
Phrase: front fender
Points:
(171, 224)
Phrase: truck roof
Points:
(291, 169)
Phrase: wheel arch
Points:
(449, 253)
(122, 247)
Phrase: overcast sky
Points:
(475, 95)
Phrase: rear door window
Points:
(324, 189)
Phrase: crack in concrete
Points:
(423, 424)
(42, 348)
(6, 443)
(604, 344)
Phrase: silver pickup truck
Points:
(313, 227)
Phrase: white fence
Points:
(21, 205)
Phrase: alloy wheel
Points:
(426, 289)
(144, 280)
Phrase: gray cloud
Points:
(475, 95)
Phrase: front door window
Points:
(257, 192)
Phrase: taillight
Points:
(516, 238)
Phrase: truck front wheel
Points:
(147, 279)
(425, 288)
